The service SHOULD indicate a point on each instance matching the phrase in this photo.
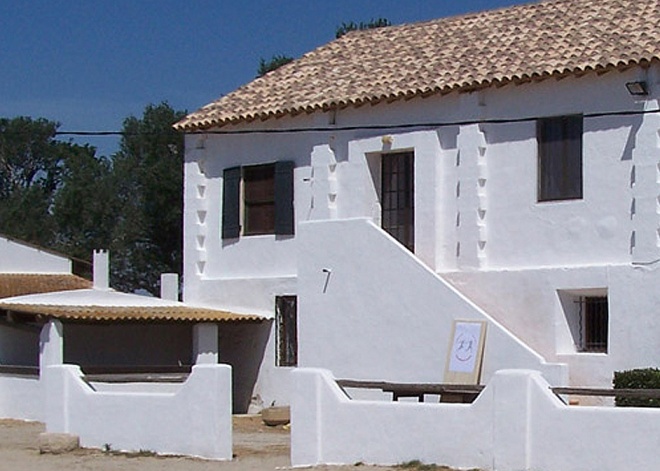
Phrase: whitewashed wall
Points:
(516, 423)
(20, 258)
(478, 221)
(381, 314)
(21, 397)
(194, 420)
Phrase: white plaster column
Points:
(511, 418)
(51, 344)
(471, 197)
(169, 286)
(101, 270)
(205, 343)
(645, 185)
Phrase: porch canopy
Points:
(19, 284)
(95, 305)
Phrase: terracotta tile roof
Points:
(18, 284)
(516, 44)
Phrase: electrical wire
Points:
(375, 127)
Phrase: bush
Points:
(646, 378)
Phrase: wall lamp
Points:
(637, 88)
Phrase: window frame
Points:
(233, 217)
(595, 338)
(250, 203)
(286, 331)
(560, 158)
(397, 204)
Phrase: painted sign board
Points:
(466, 349)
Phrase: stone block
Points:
(276, 415)
(57, 443)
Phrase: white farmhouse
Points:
(500, 166)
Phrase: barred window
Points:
(594, 322)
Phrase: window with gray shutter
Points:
(560, 158)
(264, 194)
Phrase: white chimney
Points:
(169, 286)
(101, 269)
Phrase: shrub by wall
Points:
(645, 378)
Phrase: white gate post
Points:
(51, 344)
(205, 343)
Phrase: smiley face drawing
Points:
(464, 348)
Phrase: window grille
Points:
(593, 323)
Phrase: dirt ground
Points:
(256, 448)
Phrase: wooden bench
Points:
(461, 393)
(467, 393)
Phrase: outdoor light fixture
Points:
(637, 88)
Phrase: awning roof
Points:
(18, 284)
(108, 305)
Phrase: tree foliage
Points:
(148, 174)
(352, 26)
(273, 63)
(279, 60)
(31, 162)
(61, 195)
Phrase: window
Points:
(560, 158)
(587, 317)
(398, 197)
(258, 199)
(594, 320)
(286, 318)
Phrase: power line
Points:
(375, 127)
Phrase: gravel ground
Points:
(256, 448)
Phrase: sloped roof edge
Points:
(518, 44)
(108, 305)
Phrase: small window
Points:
(594, 313)
(587, 318)
(560, 158)
(259, 200)
(286, 318)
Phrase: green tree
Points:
(31, 161)
(85, 207)
(148, 183)
(275, 62)
(352, 26)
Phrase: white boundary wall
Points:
(515, 424)
(195, 420)
(21, 397)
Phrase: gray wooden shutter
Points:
(573, 152)
(560, 158)
(284, 218)
(231, 203)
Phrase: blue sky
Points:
(89, 64)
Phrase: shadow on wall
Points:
(243, 345)
(128, 344)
